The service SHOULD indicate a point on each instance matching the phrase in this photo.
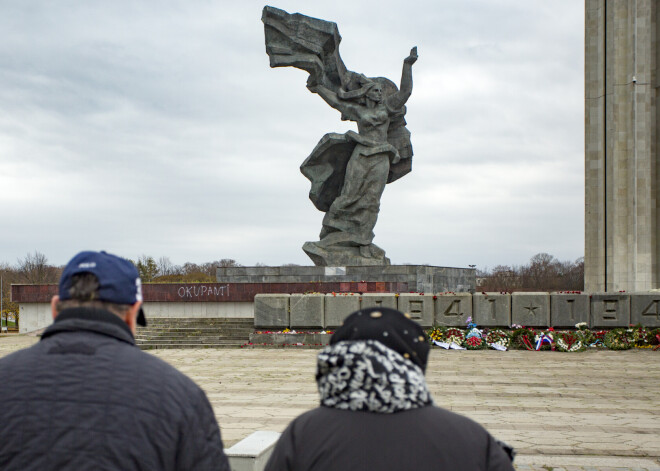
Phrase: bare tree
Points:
(543, 273)
(227, 262)
(573, 275)
(190, 267)
(210, 268)
(34, 269)
(166, 267)
(502, 278)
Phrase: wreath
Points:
(618, 339)
(569, 342)
(545, 340)
(524, 338)
(498, 337)
(587, 337)
(654, 337)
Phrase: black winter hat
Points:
(390, 327)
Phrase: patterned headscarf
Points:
(365, 375)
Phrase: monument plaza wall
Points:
(564, 310)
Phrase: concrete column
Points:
(621, 142)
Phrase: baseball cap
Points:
(392, 328)
(119, 281)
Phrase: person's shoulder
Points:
(21, 355)
(318, 415)
(157, 370)
(447, 416)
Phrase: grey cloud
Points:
(163, 130)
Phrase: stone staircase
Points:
(167, 332)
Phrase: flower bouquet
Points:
(436, 333)
(454, 335)
(474, 343)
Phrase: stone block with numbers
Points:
(271, 310)
(568, 309)
(307, 310)
(645, 309)
(419, 306)
(530, 309)
(610, 310)
(339, 307)
(452, 309)
(378, 300)
(491, 309)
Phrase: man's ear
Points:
(131, 316)
(53, 305)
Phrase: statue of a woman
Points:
(349, 221)
(348, 171)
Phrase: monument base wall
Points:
(403, 278)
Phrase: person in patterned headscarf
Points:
(376, 411)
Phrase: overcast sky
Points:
(159, 128)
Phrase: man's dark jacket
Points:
(427, 438)
(85, 397)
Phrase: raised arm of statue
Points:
(398, 99)
(345, 107)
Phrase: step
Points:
(199, 324)
(198, 330)
(177, 332)
(187, 346)
(199, 320)
(193, 341)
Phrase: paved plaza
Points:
(597, 410)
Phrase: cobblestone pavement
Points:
(591, 411)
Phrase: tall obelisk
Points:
(622, 188)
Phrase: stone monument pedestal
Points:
(406, 278)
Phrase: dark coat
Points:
(85, 397)
(427, 438)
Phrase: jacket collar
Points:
(91, 320)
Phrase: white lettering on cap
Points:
(87, 265)
(138, 286)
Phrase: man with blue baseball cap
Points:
(85, 397)
(119, 281)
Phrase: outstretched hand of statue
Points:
(412, 58)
